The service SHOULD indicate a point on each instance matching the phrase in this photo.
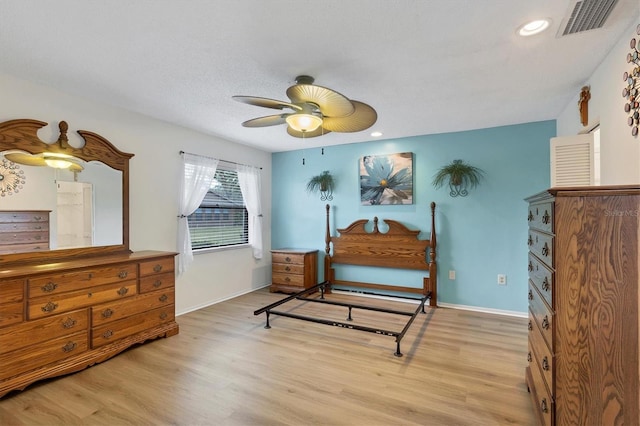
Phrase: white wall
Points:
(154, 182)
(619, 151)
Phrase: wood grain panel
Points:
(11, 290)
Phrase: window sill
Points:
(218, 249)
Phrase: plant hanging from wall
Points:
(460, 177)
(323, 183)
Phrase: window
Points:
(222, 219)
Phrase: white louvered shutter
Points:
(572, 160)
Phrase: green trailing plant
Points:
(460, 177)
(323, 183)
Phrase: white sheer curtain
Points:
(197, 174)
(250, 185)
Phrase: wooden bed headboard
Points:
(399, 247)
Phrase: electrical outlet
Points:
(502, 279)
(452, 275)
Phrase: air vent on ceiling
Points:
(587, 15)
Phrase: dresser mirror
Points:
(88, 203)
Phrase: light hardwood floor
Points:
(225, 368)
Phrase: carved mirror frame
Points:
(22, 135)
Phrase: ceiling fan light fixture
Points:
(303, 122)
(58, 161)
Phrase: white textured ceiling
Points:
(425, 66)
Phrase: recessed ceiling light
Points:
(376, 134)
(534, 27)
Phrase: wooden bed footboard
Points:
(397, 248)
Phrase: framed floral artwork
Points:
(386, 179)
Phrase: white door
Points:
(74, 214)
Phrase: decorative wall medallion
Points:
(631, 92)
(11, 178)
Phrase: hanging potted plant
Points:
(460, 177)
(323, 183)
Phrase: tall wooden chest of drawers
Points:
(62, 317)
(293, 270)
(25, 230)
(584, 365)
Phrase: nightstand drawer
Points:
(288, 258)
(288, 268)
(288, 279)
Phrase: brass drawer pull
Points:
(529, 358)
(530, 267)
(545, 284)
(123, 291)
(163, 298)
(163, 316)
(530, 217)
(530, 241)
(49, 287)
(107, 313)
(69, 322)
(37, 227)
(543, 406)
(545, 364)
(157, 268)
(37, 218)
(288, 259)
(546, 218)
(69, 347)
(287, 269)
(530, 326)
(38, 237)
(545, 323)
(49, 307)
(123, 274)
(530, 295)
(107, 334)
(157, 284)
(545, 250)
(287, 279)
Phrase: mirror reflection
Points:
(85, 208)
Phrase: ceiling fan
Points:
(50, 159)
(316, 111)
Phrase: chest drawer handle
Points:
(545, 364)
(107, 313)
(288, 259)
(49, 307)
(49, 287)
(543, 406)
(530, 267)
(38, 237)
(163, 298)
(163, 316)
(123, 274)
(530, 295)
(529, 358)
(287, 279)
(287, 269)
(69, 322)
(545, 284)
(545, 250)
(37, 218)
(107, 334)
(530, 217)
(545, 323)
(69, 347)
(157, 284)
(546, 218)
(123, 291)
(157, 268)
(530, 326)
(530, 241)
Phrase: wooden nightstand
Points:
(293, 270)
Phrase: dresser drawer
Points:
(289, 258)
(49, 305)
(25, 237)
(542, 277)
(111, 332)
(24, 216)
(34, 332)
(113, 311)
(156, 282)
(32, 357)
(544, 405)
(79, 279)
(157, 266)
(11, 313)
(21, 248)
(288, 279)
(540, 317)
(541, 216)
(542, 246)
(542, 357)
(24, 227)
(285, 268)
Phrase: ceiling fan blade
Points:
(305, 135)
(269, 120)
(362, 118)
(330, 102)
(266, 102)
(25, 159)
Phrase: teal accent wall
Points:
(479, 236)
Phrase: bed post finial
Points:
(433, 268)
(327, 235)
(375, 225)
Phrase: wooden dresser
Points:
(62, 317)
(583, 295)
(293, 270)
(26, 230)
